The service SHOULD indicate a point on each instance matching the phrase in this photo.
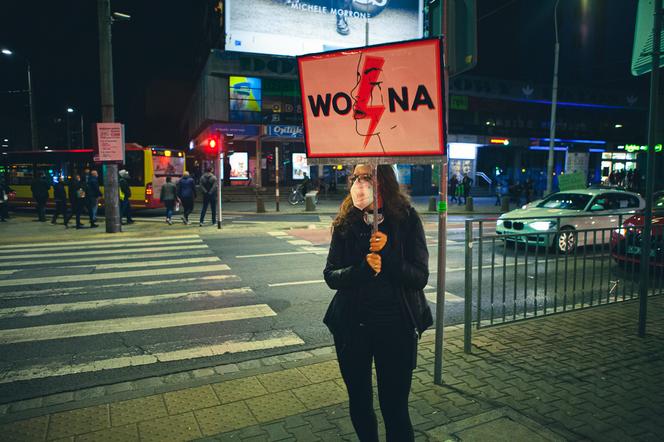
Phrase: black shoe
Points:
(79, 226)
(342, 26)
(93, 225)
(131, 221)
(53, 222)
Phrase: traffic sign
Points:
(642, 50)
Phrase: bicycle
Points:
(297, 196)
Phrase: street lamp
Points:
(33, 125)
(554, 103)
(71, 110)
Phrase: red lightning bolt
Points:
(373, 66)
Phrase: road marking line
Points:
(69, 291)
(122, 257)
(449, 297)
(155, 263)
(277, 233)
(7, 272)
(183, 247)
(100, 241)
(102, 246)
(284, 284)
(300, 242)
(155, 273)
(39, 310)
(236, 344)
(130, 324)
(265, 255)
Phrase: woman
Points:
(379, 310)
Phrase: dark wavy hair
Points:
(395, 201)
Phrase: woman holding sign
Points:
(379, 310)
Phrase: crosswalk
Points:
(85, 307)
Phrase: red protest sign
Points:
(376, 101)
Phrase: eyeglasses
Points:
(364, 177)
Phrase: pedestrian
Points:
(379, 309)
(125, 195)
(60, 196)
(168, 195)
(77, 200)
(93, 195)
(454, 182)
(40, 188)
(209, 186)
(466, 184)
(529, 190)
(4, 199)
(186, 191)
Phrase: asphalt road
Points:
(79, 314)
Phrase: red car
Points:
(626, 241)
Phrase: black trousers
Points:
(391, 348)
(187, 206)
(60, 209)
(209, 200)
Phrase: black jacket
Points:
(126, 189)
(40, 189)
(94, 191)
(74, 187)
(347, 270)
(59, 192)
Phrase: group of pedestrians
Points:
(81, 192)
(459, 188)
(184, 193)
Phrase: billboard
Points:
(239, 162)
(245, 97)
(379, 101)
(296, 27)
(300, 166)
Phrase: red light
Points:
(212, 143)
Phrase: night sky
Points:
(158, 56)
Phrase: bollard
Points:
(469, 204)
(310, 204)
(505, 204)
(260, 205)
(432, 204)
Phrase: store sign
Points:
(285, 131)
(378, 101)
(239, 130)
(110, 147)
(636, 147)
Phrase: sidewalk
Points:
(582, 375)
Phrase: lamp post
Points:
(33, 123)
(554, 103)
(71, 111)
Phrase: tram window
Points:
(20, 174)
(134, 164)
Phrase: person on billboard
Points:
(342, 23)
(379, 310)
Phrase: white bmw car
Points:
(537, 223)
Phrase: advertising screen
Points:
(296, 27)
(239, 162)
(300, 166)
(245, 96)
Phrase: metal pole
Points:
(374, 173)
(68, 131)
(276, 175)
(646, 240)
(554, 104)
(33, 119)
(218, 166)
(111, 194)
(82, 134)
(468, 293)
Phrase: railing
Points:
(518, 273)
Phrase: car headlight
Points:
(543, 225)
(499, 223)
(620, 232)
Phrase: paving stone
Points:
(77, 422)
(119, 388)
(126, 433)
(275, 406)
(177, 378)
(249, 365)
(283, 380)
(323, 351)
(137, 410)
(323, 371)
(181, 427)
(304, 434)
(227, 368)
(277, 432)
(320, 422)
(28, 430)
(321, 394)
(3, 409)
(28, 404)
(190, 399)
(147, 383)
(224, 418)
(56, 399)
(203, 373)
(294, 422)
(239, 389)
(90, 393)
